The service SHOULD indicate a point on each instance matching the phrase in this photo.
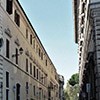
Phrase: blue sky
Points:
(53, 22)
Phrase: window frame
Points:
(7, 48)
(26, 64)
(9, 6)
(17, 18)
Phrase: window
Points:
(27, 33)
(7, 79)
(42, 93)
(7, 85)
(16, 56)
(39, 52)
(46, 62)
(41, 55)
(81, 43)
(81, 49)
(82, 29)
(36, 48)
(17, 18)
(34, 90)
(7, 94)
(31, 39)
(9, 6)
(27, 87)
(37, 74)
(34, 71)
(49, 94)
(18, 91)
(42, 78)
(31, 68)
(56, 94)
(45, 80)
(26, 65)
(7, 48)
(34, 44)
(83, 7)
(82, 21)
(51, 85)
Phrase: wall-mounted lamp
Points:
(40, 88)
(20, 52)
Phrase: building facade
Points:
(87, 36)
(26, 71)
(61, 87)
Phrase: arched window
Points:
(18, 91)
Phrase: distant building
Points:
(61, 87)
(87, 36)
(26, 71)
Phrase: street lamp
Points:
(20, 52)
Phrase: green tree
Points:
(74, 79)
(72, 88)
(66, 95)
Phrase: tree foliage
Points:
(66, 95)
(74, 79)
(72, 88)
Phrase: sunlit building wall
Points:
(26, 71)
